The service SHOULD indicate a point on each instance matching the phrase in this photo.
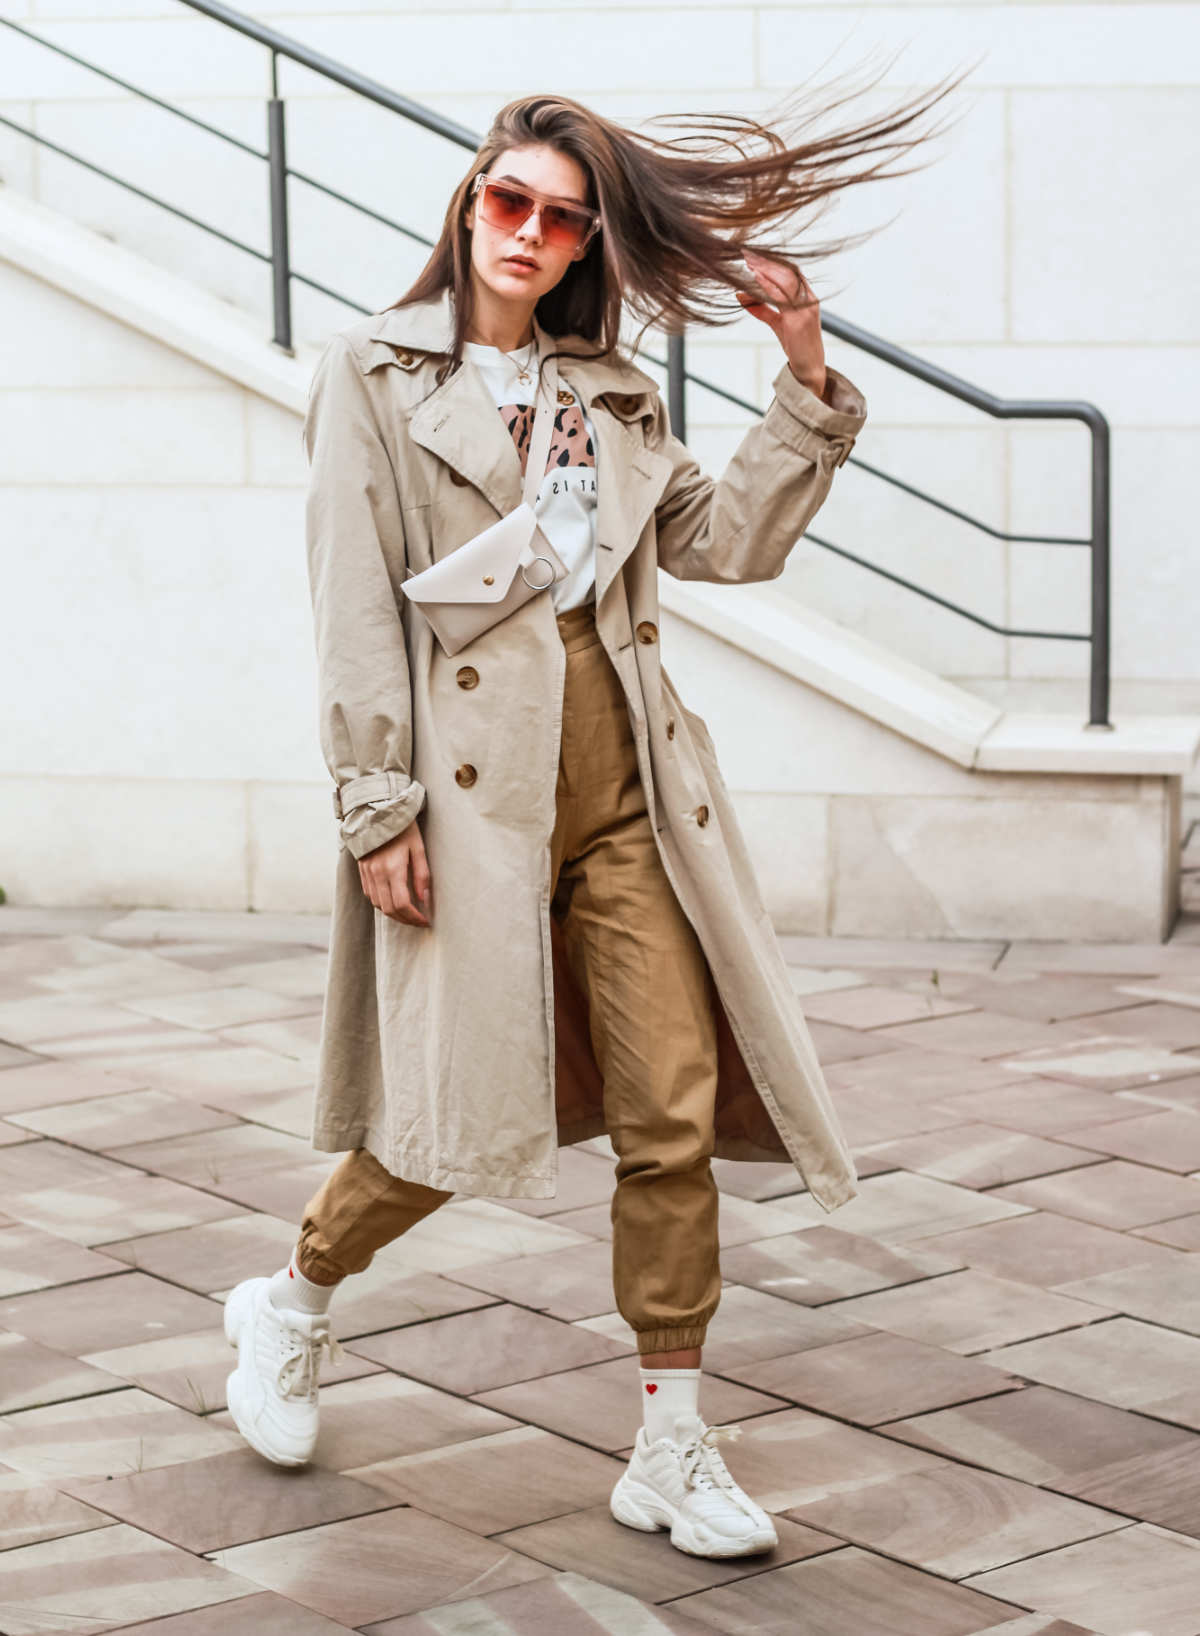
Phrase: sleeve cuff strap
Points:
(356, 792)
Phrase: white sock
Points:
(667, 1393)
(290, 1288)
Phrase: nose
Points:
(531, 227)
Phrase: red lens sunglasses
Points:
(506, 205)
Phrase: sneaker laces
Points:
(300, 1366)
(702, 1462)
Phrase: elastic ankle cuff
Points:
(670, 1340)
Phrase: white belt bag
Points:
(497, 572)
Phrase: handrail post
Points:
(676, 385)
(1101, 553)
(281, 271)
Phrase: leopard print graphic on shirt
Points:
(570, 444)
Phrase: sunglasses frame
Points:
(539, 201)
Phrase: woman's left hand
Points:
(798, 327)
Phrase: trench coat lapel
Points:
(458, 423)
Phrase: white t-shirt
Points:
(566, 500)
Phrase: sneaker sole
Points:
(638, 1506)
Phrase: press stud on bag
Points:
(498, 571)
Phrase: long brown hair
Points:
(676, 214)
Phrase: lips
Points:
(521, 261)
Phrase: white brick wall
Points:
(1050, 247)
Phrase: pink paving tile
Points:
(1167, 1293)
(1110, 1062)
(489, 1347)
(954, 1520)
(871, 1006)
(1046, 1249)
(1047, 997)
(31, 1259)
(1115, 1194)
(1142, 1578)
(105, 1579)
(1122, 1361)
(647, 1564)
(33, 1510)
(105, 1312)
(982, 1034)
(599, 1405)
(228, 1499)
(979, 1155)
(826, 1263)
(132, 1116)
(1174, 1026)
(1168, 1139)
(213, 1256)
(208, 1158)
(971, 1311)
(1145, 1469)
(31, 1374)
(259, 1614)
(1183, 1233)
(1041, 1107)
(921, 1075)
(562, 1604)
(110, 1435)
(849, 1591)
(348, 1570)
(130, 1203)
(876, 1378)
(836, 1044)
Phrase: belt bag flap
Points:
(495, 554)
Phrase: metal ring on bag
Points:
(544, 582)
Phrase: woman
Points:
(599, 958)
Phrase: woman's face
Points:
(552, 173)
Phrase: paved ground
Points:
(971, 1397)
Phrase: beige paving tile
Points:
(871, 1006)
(1044, 997)
(562, 1604)
(586, 1178)
(1141, 1578)
(203, 1505)
(871, 1115)
(1118, 1360)
(107, 1578)
(741, 1221)
(92, 966)
(283, 1191)
(1047, 1249)
(347, 1570)
(299, 975)
(32, 1510)
(31, 1374)
(191, 1369)
(1143, 1468)
(836, 1044)
(1170, 1139)
(47, 1019)
(505, 1480)
(600, 1404)
(382, 1416)
(954, 1520)
(1174, 1026)
(106, 1312)
(821, 1264)
(1182, 1233)
(1108, 1061)
(647, 1565)
(466, 1231)
(750, 1326)
(844, 1591)
(204, 1069)
(10, 1135)
(384, 1297)
(11, 1056)
(213, 1256)
(103, 1212)
(132, 1116)
(110, 1435)
(980, 1155)
(488, 1347)
(922, 1075)
(36, 1166)
(899, 1208)
(971, 1311)
(876, 1378)
(31, 1259)
(219, 1007)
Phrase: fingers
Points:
(385, 881)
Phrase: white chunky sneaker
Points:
(683, 1484)
(272, 1393)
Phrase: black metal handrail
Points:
(678, 376)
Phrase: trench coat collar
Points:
(458, 423)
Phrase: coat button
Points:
(468, 676)
(564, 396)
(457, 477)
(671, 727)
(702, 816)
(646, 632)
(403, 355)
(465, 775)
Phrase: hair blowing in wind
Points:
(678, 212)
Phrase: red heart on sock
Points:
(653, 1388)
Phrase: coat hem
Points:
(329, 1138)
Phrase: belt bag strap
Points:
(543, 430)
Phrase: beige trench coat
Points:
(459, 1055)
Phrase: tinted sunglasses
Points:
(506, 205)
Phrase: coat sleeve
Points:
(740, 527)
(354, 532)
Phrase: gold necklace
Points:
(523, 370)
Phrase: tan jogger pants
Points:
(653, 1030)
